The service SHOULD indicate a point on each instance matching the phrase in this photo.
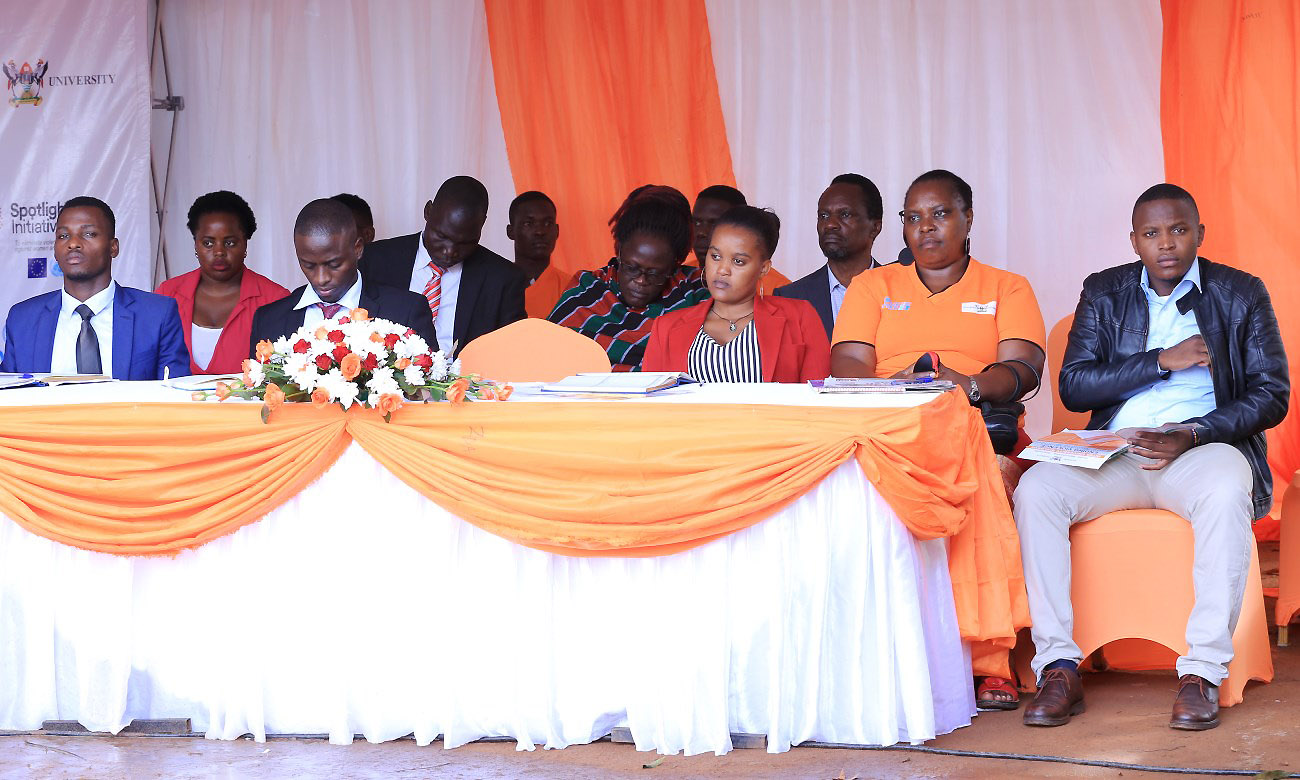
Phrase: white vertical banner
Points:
(74, 120)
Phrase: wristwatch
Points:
(974, 392)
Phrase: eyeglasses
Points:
(630, 271)
(913, 217)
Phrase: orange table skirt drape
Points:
(613, 479)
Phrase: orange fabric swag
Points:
(573, 478)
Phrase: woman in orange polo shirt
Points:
(982, 322)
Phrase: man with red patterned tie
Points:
(471, 290)
(328, 247)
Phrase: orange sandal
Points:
(994, 685)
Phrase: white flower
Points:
(438, 371)
(282, 345)
(256, 374)
(302, 372)
(340, 389)
(413, 375)
(455, 367)
(382, 382)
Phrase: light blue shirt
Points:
(1185, 394)
(838, 289)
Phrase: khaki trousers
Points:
(1209, 486)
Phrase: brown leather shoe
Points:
(1196, 707)
(1060, 696)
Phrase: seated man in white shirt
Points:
(94, 325)
(328, 247)
(470, 290)
(1185, 356)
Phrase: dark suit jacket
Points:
(404, 307)
(147, 335)
(790, 341)
(491, 288)
(814, 288)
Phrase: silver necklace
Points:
(731, 324)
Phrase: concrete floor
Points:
(1125, 722)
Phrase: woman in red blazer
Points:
(217, 300)
(739, 335)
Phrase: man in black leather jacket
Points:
(1183, 357)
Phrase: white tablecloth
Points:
(360, 607)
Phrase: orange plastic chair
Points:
(1132, 581)
(532, 350)
(1062, 418)
(1288, 576)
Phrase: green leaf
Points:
(266, 413)
(654, 763)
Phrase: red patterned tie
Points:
(329, 309)
(433, 290)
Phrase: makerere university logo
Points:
(24, 84)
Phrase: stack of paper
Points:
(635, 383)
(838, 385)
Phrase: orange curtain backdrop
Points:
(1230, 117)
(556, 477)
(598, 97)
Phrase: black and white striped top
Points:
(736, 361)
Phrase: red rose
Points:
(410, 332)
(370, 363)
(344, 320)
(391, 340)
(302, 346)
(323, 362)
(340, 352)
(423, 361)
(335, 336)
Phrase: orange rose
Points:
(320, 397)
(221, 391)
(198, 396)
(389, 403)
(488, 392)
(350, 366)
(359, 314)
(403, 363)
(264, 351)
(321, 333)
(456, 392)
(505, 392)
(375, 337)
(274, 397)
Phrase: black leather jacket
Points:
(1107, 360)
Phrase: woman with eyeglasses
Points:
(739, 335)
(617, 305)
(983, 323)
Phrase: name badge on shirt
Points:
(896, 305)
(979, 308)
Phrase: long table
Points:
(361, 607)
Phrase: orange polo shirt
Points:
(772, 280)
(892, 310)
(541, 295)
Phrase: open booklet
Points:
(634, 383)
(837, 385)
(199, 381)
(41, 380)
(1088, 449)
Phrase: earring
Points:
(966, 246)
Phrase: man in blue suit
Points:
(93, 325)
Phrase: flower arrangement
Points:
(353, 359)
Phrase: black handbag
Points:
(1002, 419)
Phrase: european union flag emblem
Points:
(36, 267)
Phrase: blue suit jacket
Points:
(146, 335)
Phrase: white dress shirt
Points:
(314, 316)
(444, 325)
(63, 360)
(1185, 394)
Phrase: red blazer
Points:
(232, 346)
(792, 341)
